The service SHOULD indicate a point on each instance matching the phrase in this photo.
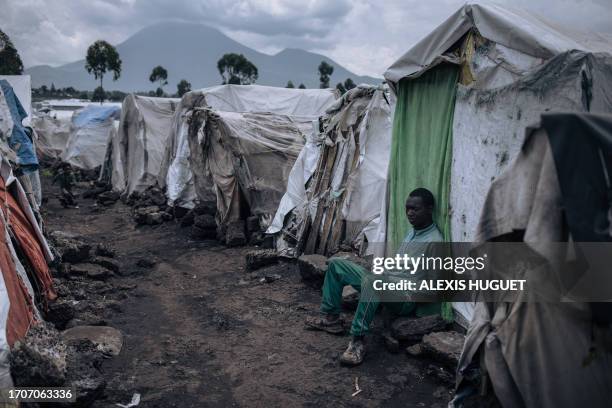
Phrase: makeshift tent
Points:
(53, 134)
(465, 92)
(549, 354)
(336, 184)
(135, 152)
(91, 129)
(19, 234)
(176, 173)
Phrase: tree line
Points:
(102, 58)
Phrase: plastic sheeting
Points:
(248, 157)
(140, 143)
(22, 85)
(53, 134)
(510, 27)
(91, 129)
(489, 126)
(19, 141)
(359, 125)
(175, 171)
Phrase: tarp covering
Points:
(248, 157)
(91, 129)
(348, 165)
(513, 28)
(140, 143)
(489, 124)
(421, 148)
(520, 343)
(176, 173)
(19, 140)
(28, 236)
(22, 86)
(53, 134)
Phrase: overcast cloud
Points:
(365, 36)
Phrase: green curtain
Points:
(421, 148)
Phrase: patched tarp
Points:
(246, 156)
(175, 171)
(53, 134)
(354, 147)
(514, 28)
(91, 129)
(27, 234)
(138, 148)
(519, 344)
(19, 141)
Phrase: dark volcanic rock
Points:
(108, 263)
(312, 268)
(40, 359)
(206, 208)
(260, 257)
(444, 347)
(91, 271)
(252, 224)
(234, 235)
(60, 313)
(188, 219)
(71, 248)
(413, 329)
(201, 233)
(146, 263)
(205, 222)
(104, 250)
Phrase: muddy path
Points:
(201, 331)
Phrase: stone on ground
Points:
(71, 248)
(312, 267)
(234, 235)
(350, 297)
(40, 359)
(259, 258)
(106, 338)
(413, 329)
(205, 221)
(444, 347)
(91, 271)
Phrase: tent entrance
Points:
(421, 147)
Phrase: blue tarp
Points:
(93, 115)
(19, 140)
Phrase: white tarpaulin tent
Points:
(176, 173)
(512, 66)
(91, 129)
(355, 145)
(137, 149)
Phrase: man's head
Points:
(419, 208)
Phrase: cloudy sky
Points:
(365, 36)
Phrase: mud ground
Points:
(200, 331)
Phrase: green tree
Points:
(159, 74)
(302, 86)
(10, 61)
(290, 85)
(237, 69)
(349, 84)
(183, 87)
(98, 95)
(325, 71)
(102, 58)
(341, 88)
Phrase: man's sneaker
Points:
(323, 323)
(354, 353)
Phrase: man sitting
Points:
(419, 211)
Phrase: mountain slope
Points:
(190, 51)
